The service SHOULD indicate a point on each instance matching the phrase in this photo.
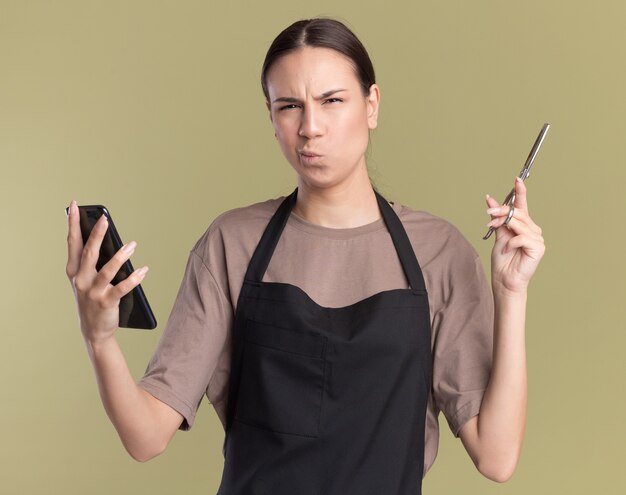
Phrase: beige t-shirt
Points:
(335, 267)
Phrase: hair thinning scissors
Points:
(510, 198)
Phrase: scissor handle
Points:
(510, 198)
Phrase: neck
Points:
(343, 206)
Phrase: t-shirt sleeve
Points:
(180, 371)
(463, 336)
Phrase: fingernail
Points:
(142, 271)
(494, 210)
(130, 247)
(517, 179)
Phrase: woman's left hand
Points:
(519, 245)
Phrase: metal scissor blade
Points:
(510, 198)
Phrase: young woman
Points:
(327, 327)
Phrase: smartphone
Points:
(135, 312)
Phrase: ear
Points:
(269, 109)
(373, 102)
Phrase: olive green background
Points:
(154, 109)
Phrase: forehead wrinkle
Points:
(297, 78)
(325, 94)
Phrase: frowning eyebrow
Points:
(326, 94)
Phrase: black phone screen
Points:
(135, 312)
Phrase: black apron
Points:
(327, 401)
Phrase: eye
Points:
(333, 100)
(287, 107)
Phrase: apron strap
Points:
(402, 243)
(263, 253)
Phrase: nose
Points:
(311, 124)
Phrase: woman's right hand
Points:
(96, 298)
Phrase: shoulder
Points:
(434, 236)
(236, 229)
(245, 216)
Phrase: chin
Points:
(318, 181)
(318, 176)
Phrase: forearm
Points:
(495, 436)
(137, 416)
(145, 425)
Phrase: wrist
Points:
(99, 345)
(501, 291)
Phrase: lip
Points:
(308, 154)
(308, 157)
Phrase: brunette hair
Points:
(324, 33)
